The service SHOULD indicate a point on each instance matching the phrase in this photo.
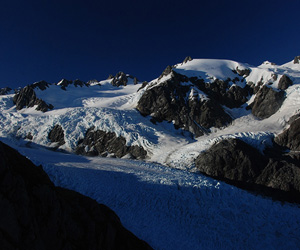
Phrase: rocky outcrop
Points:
(284, 82)
(243, 72)
(98, 142)
(187, 59)
(176, 100)
(5, 91)
(267, 102)
(37, 215)
(297, 60)
(290, 138)
(57, 135)
(234, 161)
(64, 83)
(26, 97)
(122, 79)
(42, 85)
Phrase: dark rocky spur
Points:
(37, 215)
(26, 98)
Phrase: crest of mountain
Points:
(37, 215)
(26, 97)
(5, 91)
(122, 79)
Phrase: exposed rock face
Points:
(243, 72)
(231, 159)
(284, 82)
(187, 59)
(166, 72)
(26, 97)
(42, 85)
(37, 215)
(122, 79)
(5, 91)
(64, 83)
(290, 138)
(179, 103)
(297, 60)
(98, 142)
(267, 102)
(240, 164)
(57, 135)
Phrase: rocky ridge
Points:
(37, 215)
(275, 172)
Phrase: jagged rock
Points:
(267, 102)
(144, 84)
(42, 85)
(166, 72)
(290, 138)
(80, 83)
(297, 60)
(238, 163)
(231, 159)
(168, 101)
(5, 91)
(26, 97)
(110, 77)
(98, 142)
(281, 175)
(284, 82)
(93, 82)
(57, 135)
(37, 215)
(243, 72)
(64, 83)
(187, 59)
(120, 79)
(221, 92)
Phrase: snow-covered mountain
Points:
(229, 120)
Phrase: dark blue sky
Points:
(91, 39)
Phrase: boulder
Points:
(267, 102)
(284, 82)
(98, 142)
(37, 215)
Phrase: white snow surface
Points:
(161, 199)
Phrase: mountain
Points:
(228, 120)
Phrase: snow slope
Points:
(175, 209)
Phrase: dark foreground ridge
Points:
(37, 215)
